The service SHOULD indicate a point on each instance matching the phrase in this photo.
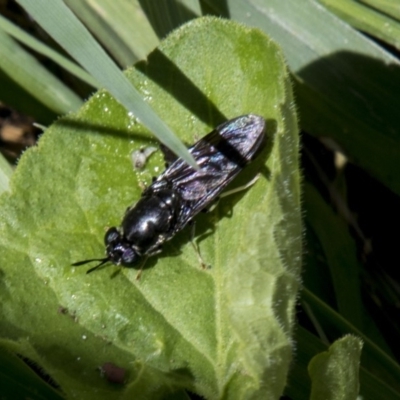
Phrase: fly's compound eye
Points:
(129, 257)
(111, 236)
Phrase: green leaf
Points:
(335, 373)
(220, 332)
(377, 363)
(299, 383)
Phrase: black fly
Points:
(181, 192)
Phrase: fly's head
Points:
(119, 250)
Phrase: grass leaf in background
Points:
(34, 44)
(25, 69)
(5, 174)
(341, 255)
(366, 19)
(121, 27)
(59, 21)
(391, 8)
(219, 332)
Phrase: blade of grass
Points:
(15, 96)
(389, 7)
(37, 46)
(341, 254)
(366, 19)
(166, 16)
(119, 25)
(58, 20)
(5, 174)
(24, 69)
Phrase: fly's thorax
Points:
(150, 219)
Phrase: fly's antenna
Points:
(102, 262)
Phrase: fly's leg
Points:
(196, 247)
(240, 188)
(209, 209)
(157, 248)
(139, 274)
(229, 192)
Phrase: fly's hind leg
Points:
(232, 191)
(209, 209)
(240, 188)
(196, 246)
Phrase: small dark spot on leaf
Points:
(113, 373)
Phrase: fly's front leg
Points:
(152, 251)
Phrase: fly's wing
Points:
(221, 155)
